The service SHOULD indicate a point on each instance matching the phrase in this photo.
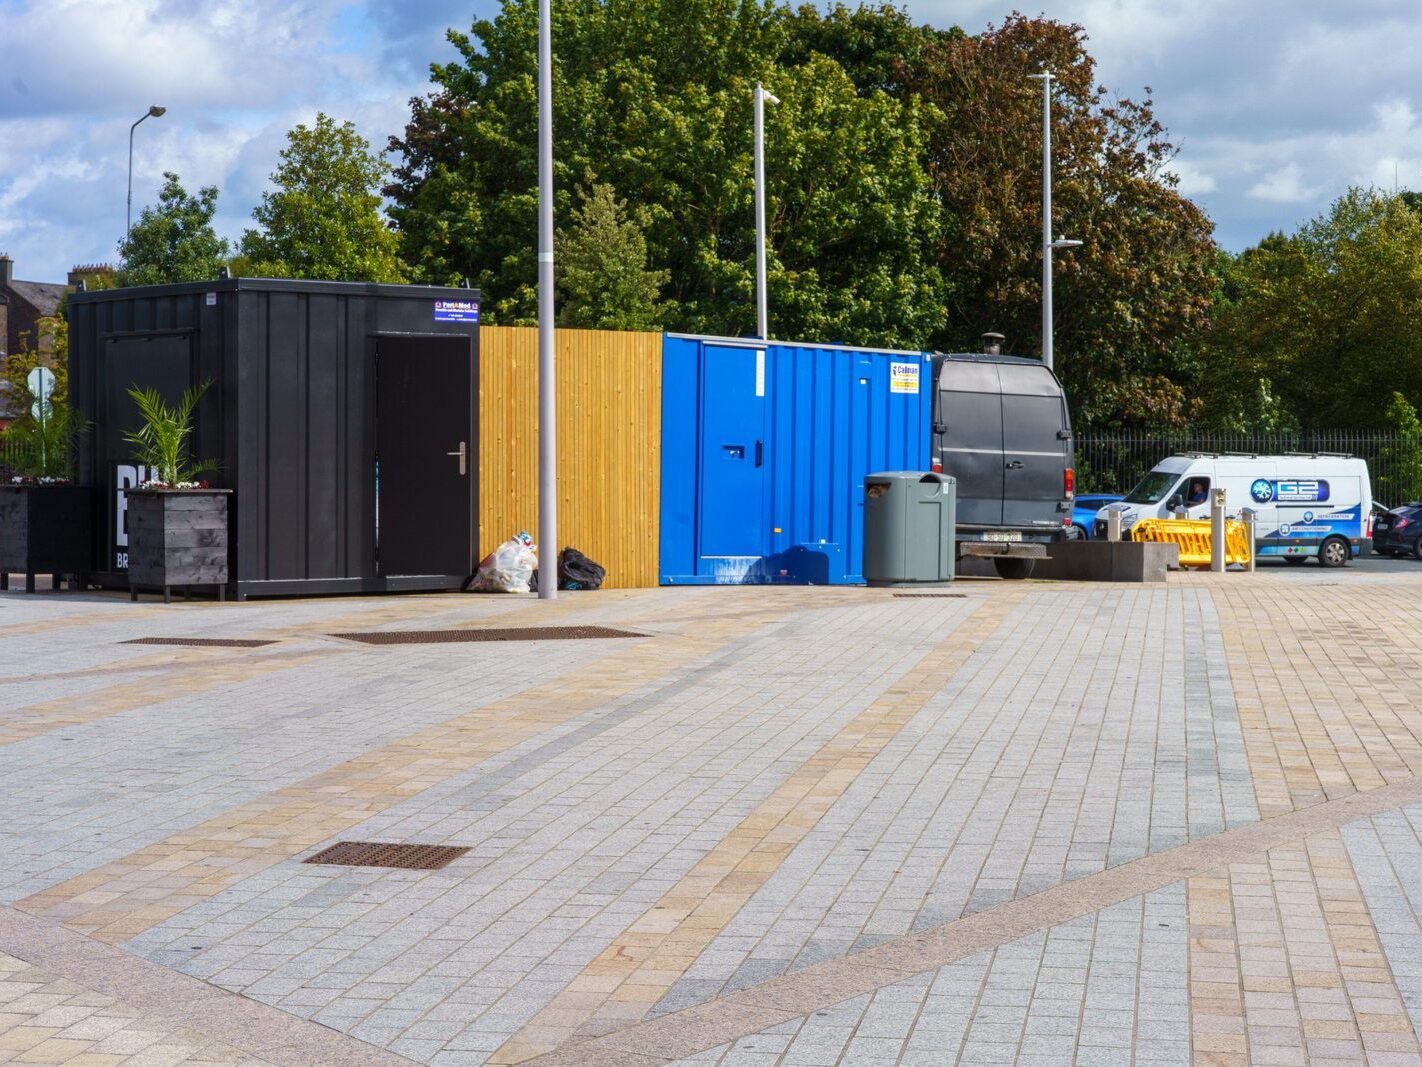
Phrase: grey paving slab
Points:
(1056, 996)
(1090, 733)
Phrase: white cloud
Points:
(1192, 180)
(235, 75)
(1283, 186)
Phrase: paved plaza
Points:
(1031, 822)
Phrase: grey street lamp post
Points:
(762, 306)
(1048, 244)
(547, 406)
(154, 112)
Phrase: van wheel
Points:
(1013, 567)
(1333, 552)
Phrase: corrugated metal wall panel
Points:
(834, 415)
(609, 444)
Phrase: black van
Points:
(1001, 428)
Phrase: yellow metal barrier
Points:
(1193, 537)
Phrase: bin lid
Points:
(884, 477)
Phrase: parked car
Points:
(1084, 509)
(1399, 532)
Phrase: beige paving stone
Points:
(1311, 975)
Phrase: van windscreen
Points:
(1152, 488)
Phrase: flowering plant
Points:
(154, 484)
(43, 479)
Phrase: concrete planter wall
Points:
(177, 538)
(45, 529)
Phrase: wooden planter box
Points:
(46, 529)
(177, 537)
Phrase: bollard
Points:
(1217, 530)
(1250, 515)
(1181, 512)
(1113, 524)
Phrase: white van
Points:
(1317, 504)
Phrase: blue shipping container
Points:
(764, 451)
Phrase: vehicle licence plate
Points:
(1002, 535)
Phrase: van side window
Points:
(1197, 491)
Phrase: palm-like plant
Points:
(161, 443)
(42, 450)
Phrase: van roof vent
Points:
(992, 344)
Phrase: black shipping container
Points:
(343, 417)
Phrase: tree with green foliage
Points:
(1400, 463)
(174, 241)
(1324, 317)
(601, 258)
(1129, 300)
(653, 97)
(323, 220)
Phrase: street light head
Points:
(157, 112)
(1062, 242)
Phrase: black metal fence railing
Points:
(9, 456)
(1113, 463)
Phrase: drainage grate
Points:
(523, 633)
(198, 642)
(379, 854)
(942, 596)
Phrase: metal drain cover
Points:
(939, 596)
(521, 633)
(379, 854)
(199, 642)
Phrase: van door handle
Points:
(759, 452)
(463, 455)
(1016, 465)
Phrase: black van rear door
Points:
(1034, 452)
(970, 412)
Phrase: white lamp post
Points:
(762, 307)
(155, 112)
(1048, 244)
(547, 406)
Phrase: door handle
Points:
(463, 455)
(1016, 465)
(759, 452)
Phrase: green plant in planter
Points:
(41, 451)
(161, 443)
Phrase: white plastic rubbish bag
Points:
(509, 568)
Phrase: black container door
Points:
(159, 361)
(425, 456)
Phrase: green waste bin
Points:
(909, 527)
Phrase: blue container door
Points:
(733, 450)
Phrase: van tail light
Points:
(937, 466)
(1069, 483)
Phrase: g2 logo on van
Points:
(1297, 491)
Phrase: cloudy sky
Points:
(1277, 105)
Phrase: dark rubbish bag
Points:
(576, 571)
